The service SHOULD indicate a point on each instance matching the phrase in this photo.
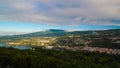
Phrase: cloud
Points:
(5, 33)
(62, 12)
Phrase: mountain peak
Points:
(55, 30)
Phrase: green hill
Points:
(58, 33)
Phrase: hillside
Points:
(41, 58)
(58, 33)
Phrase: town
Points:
(73, 43)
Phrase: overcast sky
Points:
(50, 13)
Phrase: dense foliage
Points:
(41, 58)
(103, 38)
(89, 40)
(70, 41)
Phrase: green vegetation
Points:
(41, 58)
(53, 58)
(37, 41)
(70, 41)
(89, 40)
(104, 39)
(59, 33)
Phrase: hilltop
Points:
(58, 33)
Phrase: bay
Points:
(17, 47)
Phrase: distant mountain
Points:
(57, 33)
(46, 33)
(55, 30)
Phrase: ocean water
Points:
(17, 47)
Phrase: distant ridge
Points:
(58, 32)
(55, 30)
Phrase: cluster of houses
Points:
(85, 48)
(32, 42)
(115, 39)
(101, 50)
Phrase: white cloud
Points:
(4, 33)
(61, 12)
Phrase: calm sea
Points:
(18, 47)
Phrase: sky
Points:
(37, 15)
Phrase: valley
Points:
(61, 49)
(107, 41)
